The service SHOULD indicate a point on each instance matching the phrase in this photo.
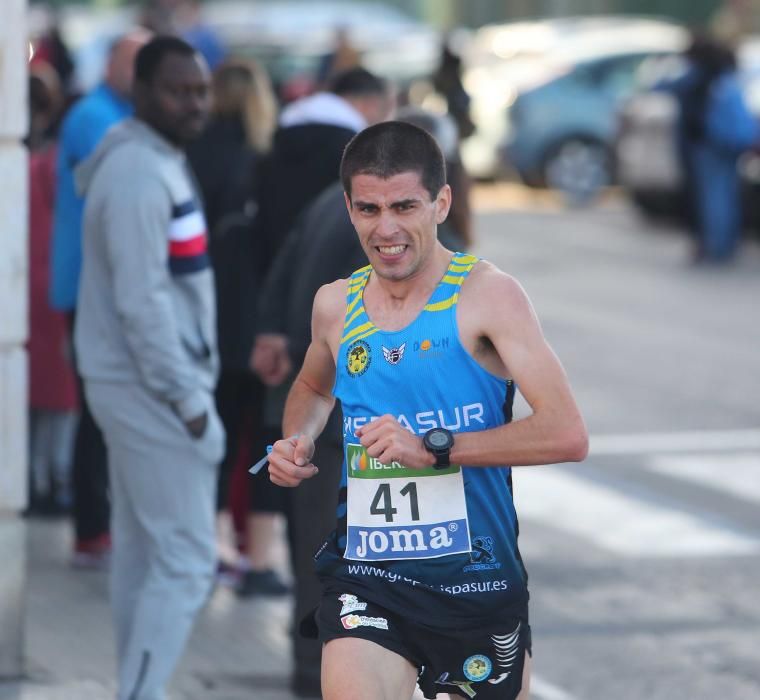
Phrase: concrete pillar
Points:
(13, 333)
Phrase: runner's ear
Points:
(442, 204)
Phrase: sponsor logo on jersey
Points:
(481, 556)
(431, 347)
(359, 460)
(404, 540)
(350, 604)
(452, 418)
(358, 358)
(351, 622)
(394, 355)
(477, 668)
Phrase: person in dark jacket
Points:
(309, 143)
(714, 127)
(226, 161)
(322, 246)
(305, 159)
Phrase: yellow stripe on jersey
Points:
(453, 279)
(354, 316)
(443, 305)
(464, 259)
(356, 331)
(365, 335)
(353, 304)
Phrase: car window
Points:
(656, 69)
(615, 77)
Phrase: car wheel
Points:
(578, 168)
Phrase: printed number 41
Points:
(382, 503)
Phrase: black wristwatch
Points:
(439, 441)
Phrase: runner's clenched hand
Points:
(387, 440)
(290, 461)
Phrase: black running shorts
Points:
(484, 663)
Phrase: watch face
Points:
(438, 439)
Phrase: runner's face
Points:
(396, 221)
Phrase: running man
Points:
(423, 579)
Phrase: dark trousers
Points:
(91, 507)
(310, 519)
(239, 396)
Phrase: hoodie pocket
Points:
(213, 443)
(198, 347)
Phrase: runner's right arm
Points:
(310, 400)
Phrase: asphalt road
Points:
(644, 560)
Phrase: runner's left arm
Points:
(555, 430)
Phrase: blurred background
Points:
(551, 93)
(644, 560)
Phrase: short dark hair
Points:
(150, 56)
(357, 82)
(391, 148)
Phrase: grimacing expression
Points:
(178, 99)
(396, 220)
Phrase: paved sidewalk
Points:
(239, 649)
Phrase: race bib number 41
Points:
(395, 512)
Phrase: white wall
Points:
(13, 256)
(13, 331)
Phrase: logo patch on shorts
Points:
(351, 622)
(358, 358)
(507, 648)
(477, 667)
(350, 604)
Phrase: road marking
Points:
(543, 690)
(737, 474)
(688, 441)
(620, 523)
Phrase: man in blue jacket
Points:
(82, 130)
(714, 127)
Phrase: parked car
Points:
(499, 60)
(645, 149)
(547, 90)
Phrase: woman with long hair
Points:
(227, 163)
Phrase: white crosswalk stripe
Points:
(687, 441)
(626, 524)
(737, 474)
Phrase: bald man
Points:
(82, 130)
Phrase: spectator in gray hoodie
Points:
(146, 342)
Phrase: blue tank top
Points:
(432, 545)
